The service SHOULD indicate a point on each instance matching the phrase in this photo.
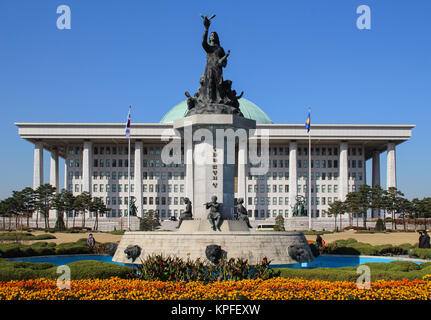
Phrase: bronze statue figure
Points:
(241, 212)
(187, 214)
(132, 207)
(214, 216)
(215, 95)
(299, 208)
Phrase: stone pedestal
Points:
(211, 140)
(250, 245)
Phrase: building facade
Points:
(97, 161)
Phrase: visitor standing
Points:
(319, 241)
(91, 242)
(421, 239)
(426, 241)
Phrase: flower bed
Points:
(258, 289)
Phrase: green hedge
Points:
(353, 247)
(420, 253)
(78, 270)
(98, 270)
(78, 247)
(12, 236)
(395, 270)
(13, 250)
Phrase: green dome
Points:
(248, 109)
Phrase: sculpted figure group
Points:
(215, 94)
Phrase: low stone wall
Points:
(253, 246)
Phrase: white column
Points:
(242, 165)
(375, 176)
(376, 168)
(189, 162)
(53, 172)
(343, 177)
(391, 176)
(38, 165)
(66, 175)
(293, 176)
(86, 166)
(138, 177)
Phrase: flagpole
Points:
(309, 172)
(128, 176)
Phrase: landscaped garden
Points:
(173, 278)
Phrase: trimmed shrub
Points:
(73, 248)
(44, 237)
(13, 236)
(18, 270)
(279, 223)
(87, 269)
(352, 247)
(420, 253)
(395, 270)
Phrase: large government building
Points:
(96, 161)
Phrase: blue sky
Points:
(285, 55)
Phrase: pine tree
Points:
(149, 221)
(279, 223)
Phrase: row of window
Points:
(157, 163)
(280, 151)
(162, 201)
(113, 162)
(284, 201)
(113, 187)
(268, 213)
(162, 188)
(318, 188)
(318, 163)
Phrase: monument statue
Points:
(299, 208)
(132, 207)
(215, 94)
(214, 215)
(187, 214)
(241, 212)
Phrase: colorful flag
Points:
(128, 124)
(307, 123)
